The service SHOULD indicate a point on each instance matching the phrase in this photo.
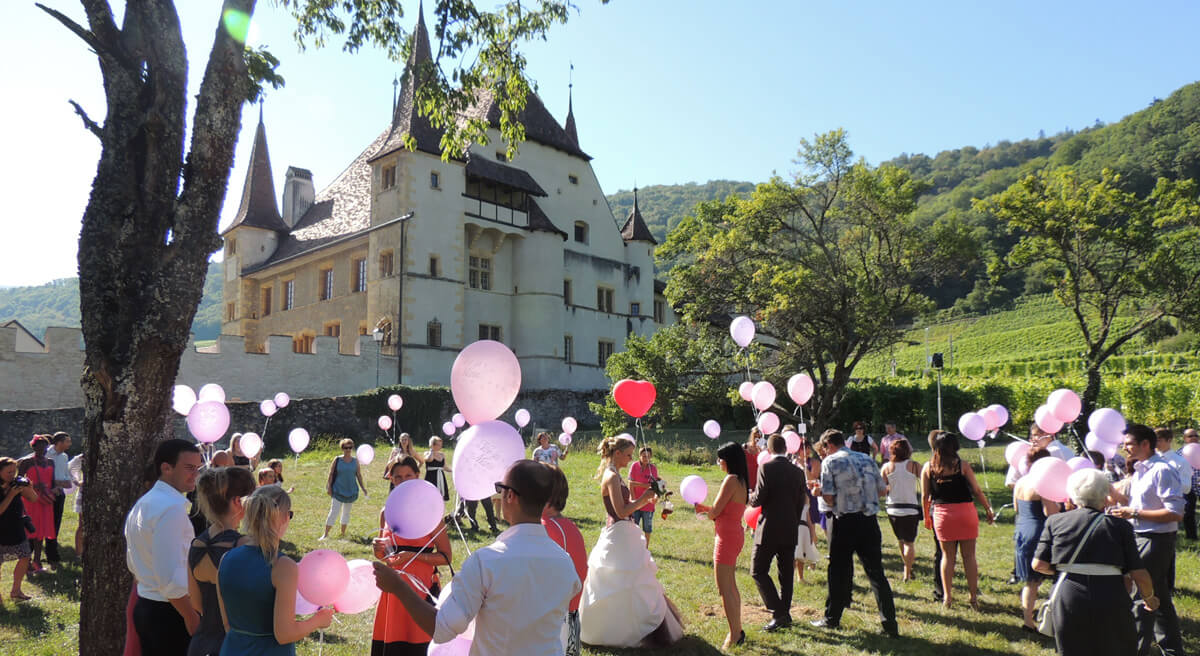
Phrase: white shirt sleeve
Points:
(463, 604)
(173, 534)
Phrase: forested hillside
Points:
(663, 206)
(56, 303)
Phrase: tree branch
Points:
(88, 123)
(87, 35)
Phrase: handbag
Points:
(1045, 618)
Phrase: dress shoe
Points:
(775, 625)
(890, 632)
(824, 623)
(741, 639)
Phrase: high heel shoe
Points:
(741, 639)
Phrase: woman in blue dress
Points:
(1032, 511)
(345, 478)
(257, 587)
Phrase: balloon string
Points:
(983, 465)
(454, 519)
(321, 643)
(414, 556)
(264, 433)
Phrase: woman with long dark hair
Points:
(948, 486)
(726, 513)
(219, 493)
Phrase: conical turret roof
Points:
(635, 226)
(258, 208)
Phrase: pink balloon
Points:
(282, 400)
(522, 417)
(768, 422)
(800, 388)
(1108, 424)
(794, 441)
(693, 489)
(365, 454)
(1079, 462)
(324, 576)
(384, 422)
(1050, 478)
(211, 392)
(395, 402)
(304, 606)
(742, 331)
(1015, 453)
(1046, 420)
(268, 408)
(1191, 453)
(1001, 414)
(564, 439)
(182, 399)
(763, 457)
(251, 444)
(972, 426)
(1022, 466)
(712, 429)
(1094, 442)
(990, 417)
(458, 420)
(298, 440)
(569, 425)
(1065, 405)
(484, 380)
(762, 395)
(414, 508)
(207, 421)
(360, 593)
(484, 453)
(744, 390)
(448, 428)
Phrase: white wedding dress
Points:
(623, 602)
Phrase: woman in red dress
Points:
(395, 632)
(726, 513)
(40, 471)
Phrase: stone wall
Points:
(336, 416)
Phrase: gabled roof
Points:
(635, 226)
(540, 126)
(539, 222)
(13, 323)
(509, 176)
(258, 208)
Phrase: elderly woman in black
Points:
(1091, 610)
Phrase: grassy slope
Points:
(682, 547)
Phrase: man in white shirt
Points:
(517, 589)
(1179, 465)
(57, 454)
(157, 536)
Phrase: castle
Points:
(427, 256)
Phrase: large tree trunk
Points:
(1091, 396)
(148, 230)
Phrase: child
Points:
(266, 476)
(277, 465)
(806, 542)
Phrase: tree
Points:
(1118, 261)
(151, 221)
(827, 266)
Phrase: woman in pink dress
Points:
(40, 471)
(726, 513)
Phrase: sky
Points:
(665, 92)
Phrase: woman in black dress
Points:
(14, 545)
(219, 493)
(1091, 609)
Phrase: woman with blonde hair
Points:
(623, 602)
(256, 585)
(219, 493)
(345, 478)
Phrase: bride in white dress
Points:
(623, 603)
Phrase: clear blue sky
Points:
(665, 91)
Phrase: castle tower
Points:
(639, 254)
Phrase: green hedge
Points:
(421, 415)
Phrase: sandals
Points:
(20, 597)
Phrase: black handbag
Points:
(28, 522)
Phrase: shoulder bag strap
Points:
(1084, 539)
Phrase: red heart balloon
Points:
(634, 396)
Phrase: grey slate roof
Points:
(539, 222)
(258, 208)
(509, 176)
(569, 127)
(635, 226)
(405, 117)
(540, 126)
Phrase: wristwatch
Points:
(1135, 513)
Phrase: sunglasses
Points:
(347, 448)
(501, 487)
(291, 514)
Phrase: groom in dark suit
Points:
(780, 492)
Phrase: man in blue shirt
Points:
(851, 485)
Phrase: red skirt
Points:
(955, 521)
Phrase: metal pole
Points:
(939, 394)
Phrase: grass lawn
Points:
(682, 546)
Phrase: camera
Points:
(658, 487)
(21, 481)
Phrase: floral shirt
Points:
(854, 482)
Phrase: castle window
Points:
(435, 180)
(232, 247)
(480, 274)
(433, 333)
(230, 311)
(487, 331)
(567, 292)
(604, 299)
(326, 284)
(389, 176)
(289, 294)
(362, 329)
(385, 264)
(568, 349)
(434, 269)
(659, 311)
(333, 330)
(635, 309)
(266, 301)
(501, 156)
(581, 232)
(360, 275)
(573, 179)
(604, 351)
(303, 344)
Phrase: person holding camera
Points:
(641, 474)
(14, 492)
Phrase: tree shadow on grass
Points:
(25, 618)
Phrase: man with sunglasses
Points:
(517, 589)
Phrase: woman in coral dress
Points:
(40, 471)
(726, 513)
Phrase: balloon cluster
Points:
(484, 381)
(268, 407)
(1106, 430)
(976, 425)
(569, 426)
(327, 579)
(207, 416)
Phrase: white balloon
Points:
(183, 399)
(211, 392)
(366, 454)
(251, 444)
